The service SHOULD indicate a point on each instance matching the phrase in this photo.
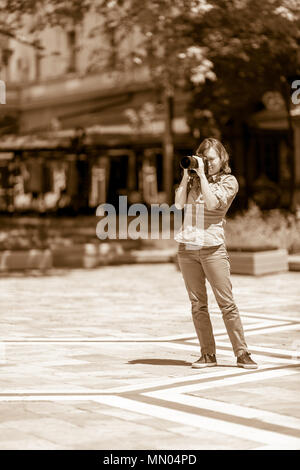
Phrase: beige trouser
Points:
(211, 263)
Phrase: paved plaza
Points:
(101, 359)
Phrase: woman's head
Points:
(216, 154)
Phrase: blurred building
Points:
(72, 138)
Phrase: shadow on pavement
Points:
(160, 362)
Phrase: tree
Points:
(250, 47)
(154, 35)
(254, 47)
(157, 35)
(33, 16)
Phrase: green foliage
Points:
(156, 34)
(253, 230)
(250, 46)
(254, 47)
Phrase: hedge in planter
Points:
(258, 243)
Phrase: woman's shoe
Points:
(206, 360)
(244, 360)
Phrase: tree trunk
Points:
(168, 144)
(72, 44)
(291, 148)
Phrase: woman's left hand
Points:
(200, 169)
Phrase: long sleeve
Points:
(225, 190)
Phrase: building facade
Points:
(74, 138)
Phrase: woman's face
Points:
(214, 161)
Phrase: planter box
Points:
(294, 262)
(25, 259)
(68, 256)
(258, 262)
(89, 255)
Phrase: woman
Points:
(202, 252)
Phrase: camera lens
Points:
(189, 163)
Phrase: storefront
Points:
(272, 165)
(71, 176)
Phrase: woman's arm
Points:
(219, 196)
(211, 201)
(181, 191)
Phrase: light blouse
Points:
(202, 227)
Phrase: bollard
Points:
(90, 257)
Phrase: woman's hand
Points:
(181, 191)
(200, 170)
(185, 173)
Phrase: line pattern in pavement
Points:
(172, 399)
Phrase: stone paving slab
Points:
(100, 359)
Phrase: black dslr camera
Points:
(191, 163)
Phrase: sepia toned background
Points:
(106, 96)
(102, 99)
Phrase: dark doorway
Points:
(118, 175)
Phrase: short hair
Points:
(211, 142)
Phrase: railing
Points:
(69, 85)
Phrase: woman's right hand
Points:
(185, 173)
(180, 193)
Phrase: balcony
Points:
(73, 87)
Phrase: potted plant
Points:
(259, 243)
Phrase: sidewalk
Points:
(100, 359)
